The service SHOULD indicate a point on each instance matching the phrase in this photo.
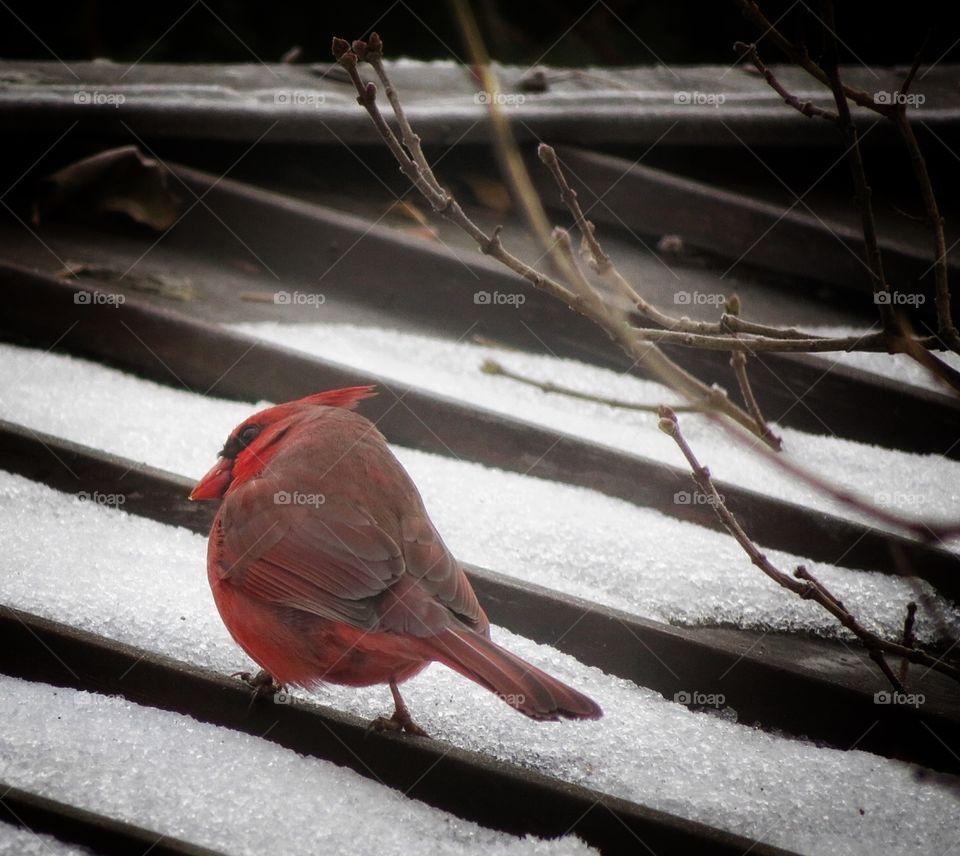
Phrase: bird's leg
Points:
(401, 719)
(263, 684)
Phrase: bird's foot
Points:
(263, 684)
(400, 721)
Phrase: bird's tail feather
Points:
(530, 690)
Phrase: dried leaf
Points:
(117, 181)
(169, 286)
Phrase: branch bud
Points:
(547, 154)
(668, 420)
(340, 47)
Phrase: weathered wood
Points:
(104, 835)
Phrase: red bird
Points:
(326, 568)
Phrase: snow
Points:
(581, 542)
(919, 486)
(889, 366)
(143, 583)
(116, 758)
(15, 841)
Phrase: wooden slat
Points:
(104, 835)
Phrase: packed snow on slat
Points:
(89, 564)
(219, 788)
(20, 841)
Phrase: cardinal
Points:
(325, 566)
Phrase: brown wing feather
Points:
(334, 560)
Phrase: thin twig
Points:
(862, 191)
(807, 108)
(805, 585)
(909, 639)
(738, 362)
(946, 329)
(372, 51)
(563, 242)
(871, 342)
(799, 56)
(492, 367)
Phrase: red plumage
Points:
(326, 568)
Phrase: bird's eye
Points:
(248, 434)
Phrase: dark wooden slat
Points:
(467, 784)
(102, 834)
(735, 226)
(316, 105)
(810, 687)
(175, 349)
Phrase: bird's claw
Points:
(397, 722)
(263, 684)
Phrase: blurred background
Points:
(606, 32)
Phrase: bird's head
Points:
(255, 440)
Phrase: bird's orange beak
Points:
(215, 483)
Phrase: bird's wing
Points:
(434, 580)
(335, 561)
(320, 557)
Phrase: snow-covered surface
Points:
(925, 486)
(16, 841)
(891, 366)
(580, 542)
(219, 788)
(143, 583)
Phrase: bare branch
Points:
(862, 192)
(807, 108)
(738, 362)
(492, 367)
(805, 585)
(909, 640)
